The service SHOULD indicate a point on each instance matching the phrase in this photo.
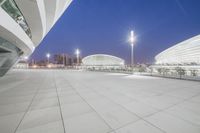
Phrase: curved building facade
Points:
(23, 25)
(184, 53)
(102, 61)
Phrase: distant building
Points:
(64, 59)
(60, 59)
(102, 61)
(21, 65)
(41, 63)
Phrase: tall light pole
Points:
(48, 56)
(132, 40)
(26, 58)
(77, 52)
(63, 59)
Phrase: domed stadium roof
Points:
(102, 60)
(186, 52)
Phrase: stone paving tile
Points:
(40, 117)
(86, 123)
(48, 90)
(66, 93)
(102, 105)
(75, 109)
(44, 103)
(187, 111)
(139, 127)
(70, 99)
(162, 101)
(193, 106)
(117, 117)
(52, 127)
(46, 95)
(196, 99)
(15, 100)
(18, 93)
(89, 102)
(13, 108)
(9, 123)
(172, 124)
(118, 98)
(182, 93)
(91, 95)
(140, 108)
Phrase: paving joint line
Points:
(90, 106)
(63, 123)
(37, 90)
(129, 112)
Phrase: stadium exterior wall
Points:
(180, 59)
(102, 61)
(184, 53)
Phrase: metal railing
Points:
(177, 73)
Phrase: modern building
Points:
(23, 25)
(184, 53)
(21, 65)
(183, 57)
(102, 61)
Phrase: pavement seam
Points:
(59, 104)
(159, 110)
(140, 118)
(111, 129)
(37, 90)
(165, 109)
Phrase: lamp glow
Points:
(132, 40)
(132, 37)
(48, 56)
(26, 57)
(77, 52)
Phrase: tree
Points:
(165, 71)
(141, 69)
(180, 71)
(159, 70)
(194, 72)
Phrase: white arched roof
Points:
(12, 32)
(39, 16)
(185, 52)
(102, 60)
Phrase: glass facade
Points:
(11, 8)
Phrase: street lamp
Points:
(48, 56)
(132, 40)
(77, 52)
(26, 58)
(63, 60)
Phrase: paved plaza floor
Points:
(71, 101)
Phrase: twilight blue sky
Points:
(103, 26)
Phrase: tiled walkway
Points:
(62, 101)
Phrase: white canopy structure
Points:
(102, 60)
(186, 52)
(23, 25)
